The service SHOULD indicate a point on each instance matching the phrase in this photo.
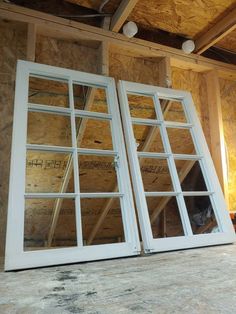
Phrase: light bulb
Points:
(188, 46)
(130, 29)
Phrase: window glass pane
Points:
(93, 133)
(111, 229)
(181, 141)
(143, 133)
(38, 222)
(141, 106)
(173, 110)
(164, 216)
(44, 91)
(45, 172)
(90, 98)
(97, 174)
(190, 175)
(155, 174)
(48, 129)
(201, 214)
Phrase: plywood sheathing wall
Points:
(133, 69)
(66, 54)
(228, 102)
(78, 56)
(194, 83)
(12, 47)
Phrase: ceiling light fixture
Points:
(130, 29)
(188, 46)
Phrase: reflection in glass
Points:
(44, 91)
(141, 107)
(93, 133)
(97, 174)
(173, 111)
(181, 141)
(38, 221)
(111, 229)
(164, 216)
(190, 175)
(155, 174)
(201, 214)
(142, 135)
(45, 172)
(48, 129)
(90, 98)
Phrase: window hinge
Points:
(116, 162)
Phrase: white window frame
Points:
(16, 257)
(189, 240)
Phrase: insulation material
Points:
(228, 103)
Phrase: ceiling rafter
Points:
(226, 25)
(121, 14)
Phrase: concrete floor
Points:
(193, 281)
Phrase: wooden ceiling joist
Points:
(121, 14)
(57, 27)
(217, 32)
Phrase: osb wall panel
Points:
(66, 54)
(12, 47)
(228, 102)
(194, 83)
(133, 69)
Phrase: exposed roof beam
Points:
(121, 14)
(217, 32)
(57, 27)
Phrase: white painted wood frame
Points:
(226, 233)
(16, 257)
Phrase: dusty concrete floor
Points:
(193, 281)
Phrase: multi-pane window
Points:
(176, 188)
(70, 196)
(69, 152)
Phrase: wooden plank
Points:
(57, 27)
(121, 14)
(216, 130)
(165, 72)
(104, 58)
(217, 32)
(104, 50)
(31, 42)
(204, 228)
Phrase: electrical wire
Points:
(102, 5)
(84, 15)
